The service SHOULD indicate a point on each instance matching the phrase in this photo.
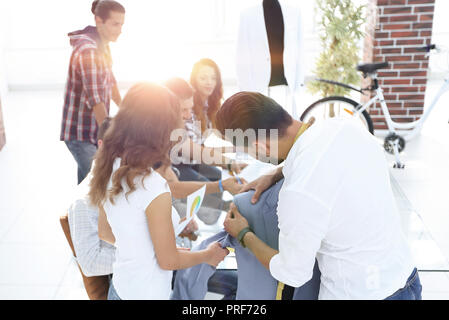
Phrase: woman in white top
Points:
(137, 201)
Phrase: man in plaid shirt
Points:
(90, 83)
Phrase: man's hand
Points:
(234, 222)
(259, 185)
(233, 186)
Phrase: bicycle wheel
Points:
(332, 107)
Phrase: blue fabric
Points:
(254, 280)
(224, 282)
(198, 172)
(411, 291)
(112, 294)
(83, 152)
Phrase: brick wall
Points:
(394, 30)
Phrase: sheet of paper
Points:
(255, 169)
(194, 202)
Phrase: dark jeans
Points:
(411, 291)
(214, 201)
(223, 282)
(83, 152)
(198, 172)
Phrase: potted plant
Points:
(340, 23)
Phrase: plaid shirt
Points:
(90, 82)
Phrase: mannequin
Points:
(274, 24)
(269, 51)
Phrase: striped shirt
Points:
(94, 256)
(90, 82)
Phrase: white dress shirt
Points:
(337, 205)
(95, 257)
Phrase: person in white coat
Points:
(253, 59)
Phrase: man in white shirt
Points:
(336, 203)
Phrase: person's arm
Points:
(93, 83)
(116, 97)
(234, 223)
(93, 255)
(213, 156)
(100, 113)
(263, 183)
(104, 229)
(301, 231)
(181, 189)
(162, 235)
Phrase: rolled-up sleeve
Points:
(92, 77)
(303, 223)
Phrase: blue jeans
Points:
(411, 291)
(205, 173)
(112, 294)
(83, 152)
(223, 282)
(198, 172)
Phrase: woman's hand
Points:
(189, 231)
(233, 186)
(237, 167)
(215, 254)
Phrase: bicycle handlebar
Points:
(428, 48)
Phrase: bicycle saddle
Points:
(369, 68)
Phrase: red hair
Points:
(140, 136)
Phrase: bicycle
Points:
(340, 106)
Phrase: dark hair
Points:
(103, 128)
(214, 100)
(102, 8)
(252, 110)
(140, 136)
(181, 88)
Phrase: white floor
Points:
(37, 174)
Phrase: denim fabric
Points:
(83, 152)
(262, 218)
(213, 203)
(223, 282)
(112, 294)
(411, 291)
(254, 280)
(198, 172)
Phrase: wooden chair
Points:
(97, 286)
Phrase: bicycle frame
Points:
(415, 126)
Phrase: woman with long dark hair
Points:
(207, 84)
(135, 201)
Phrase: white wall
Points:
(3, 28)
(439, 64)
(160, 38)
